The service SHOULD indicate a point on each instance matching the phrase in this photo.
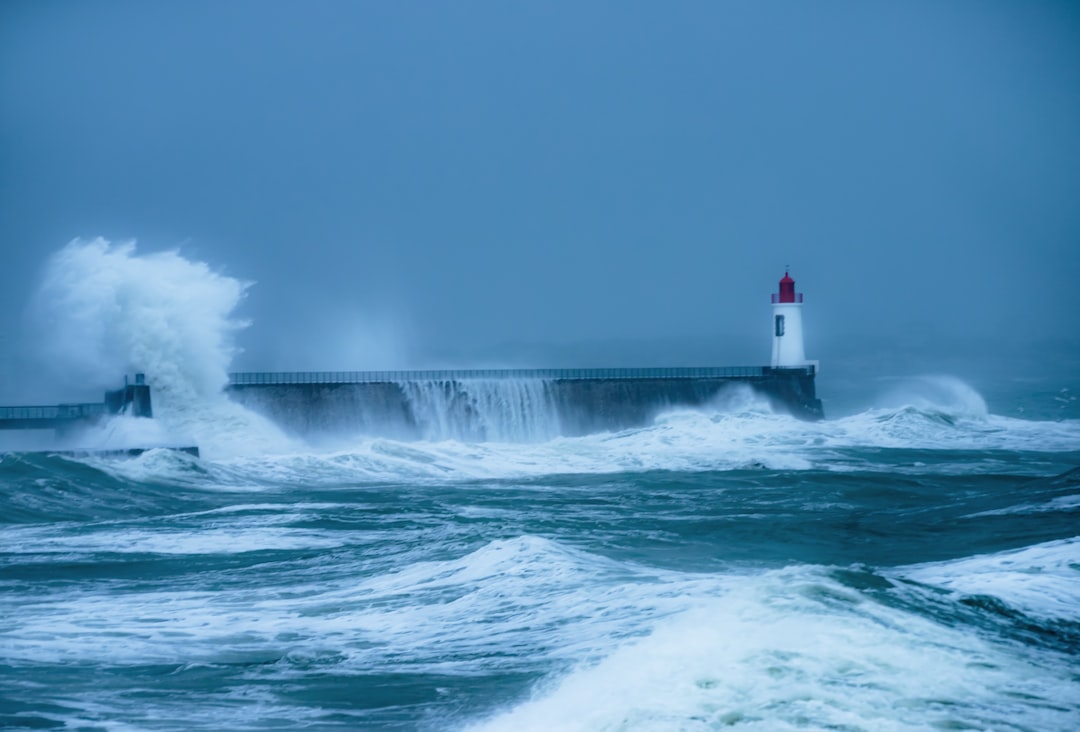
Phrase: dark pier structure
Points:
(480, 405)
(507, 404)
(133, 399)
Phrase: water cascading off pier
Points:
(504, 406)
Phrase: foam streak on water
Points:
(770, 598)
(798, 649)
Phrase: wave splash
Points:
(109, 310)
(809, 647)
(941, 395)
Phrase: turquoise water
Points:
(904, 567)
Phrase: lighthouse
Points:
(787, 349)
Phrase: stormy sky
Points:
(417, 183)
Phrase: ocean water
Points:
(910, 563)
(913, 567)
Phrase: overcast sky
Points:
(413, 181)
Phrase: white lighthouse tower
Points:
(787, 348)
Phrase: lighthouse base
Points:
(794, 390)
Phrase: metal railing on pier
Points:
(256, 378)
(59, 411)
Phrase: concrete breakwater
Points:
(132, 399)
(510, 405)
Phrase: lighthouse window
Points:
(779, 325)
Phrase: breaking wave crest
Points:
(109, 311)
(685, 441)
(809, 647)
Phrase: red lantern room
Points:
(787, 291)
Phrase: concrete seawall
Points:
(505, 405)
(133, 399)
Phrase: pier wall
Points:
(133, 399)
(509, 405)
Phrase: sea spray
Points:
(105, 310)
(940, 393)
(685, 440)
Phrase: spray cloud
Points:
(105, 310)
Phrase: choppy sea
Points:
(914, 566)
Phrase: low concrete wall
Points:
(132, 398)
(507, 409)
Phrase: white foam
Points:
(230, 540)
(641, 648)
(108, 310)
(520, 599)
(940, 393)
(1055, 505)
(684, 440)
(1042, 580)
(790, 650)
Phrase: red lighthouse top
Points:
(787, 291)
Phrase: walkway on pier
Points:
(398, 377)
(133, 399)
(49, 418)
